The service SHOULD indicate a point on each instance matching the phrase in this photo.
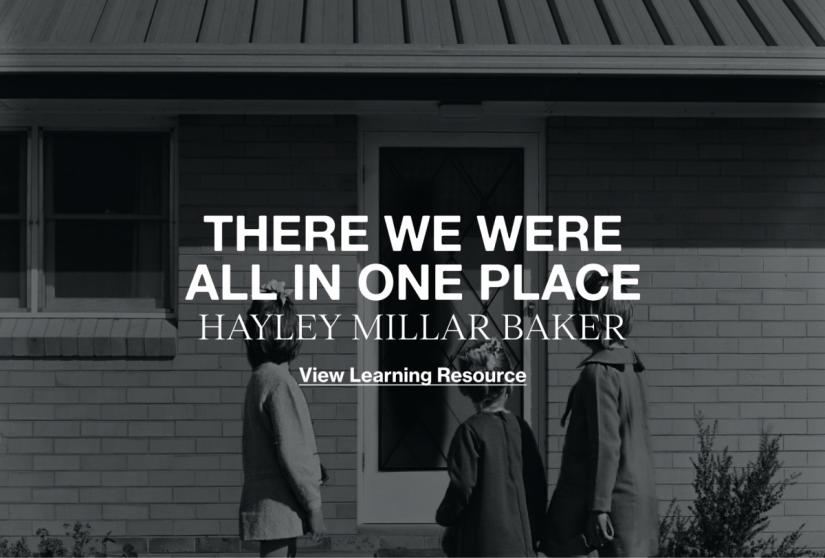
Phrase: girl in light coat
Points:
(281, 498)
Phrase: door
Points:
(406, 431)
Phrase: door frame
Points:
(527, 133)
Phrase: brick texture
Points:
(725, 219)
(150, 449)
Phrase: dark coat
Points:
(495, 503)
(607, 463)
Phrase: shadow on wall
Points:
(686, 182)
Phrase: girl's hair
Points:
(485, 356)
(592, 313)
(271, 348)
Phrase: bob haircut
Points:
(271, 348)
(485, 356)
(593, 313)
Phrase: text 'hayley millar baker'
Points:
(409, 327)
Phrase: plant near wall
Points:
(83, 544)
(80, 534)
(48, 545)
(17, 549)
(729, 514)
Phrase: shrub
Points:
(730, 510)
(19, 548)
(49, 546)
(83, 544)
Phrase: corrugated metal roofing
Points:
(415, 22)
(514, 37)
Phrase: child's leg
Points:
(278, 547)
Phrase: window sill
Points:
(87, 337)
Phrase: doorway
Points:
(404, 432)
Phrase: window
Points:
(12, 219)
(106, 221)
(88, 228)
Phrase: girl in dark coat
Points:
(605, 499)
(495, 502)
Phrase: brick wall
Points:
(725, 218)
(150, 449)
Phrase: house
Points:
(124, 122)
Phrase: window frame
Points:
(34, 298)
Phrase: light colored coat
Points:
(282, 473)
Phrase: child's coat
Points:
(496, 499)
(282, 474)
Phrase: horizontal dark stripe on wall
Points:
(411, 87)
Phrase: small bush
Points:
(83, 544)
(19, 548)
(49, 546)
(730, 510)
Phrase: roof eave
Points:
(363, 59)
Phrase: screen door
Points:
(407, 430)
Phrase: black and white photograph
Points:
(392, 278)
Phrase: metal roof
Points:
(707, 36)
